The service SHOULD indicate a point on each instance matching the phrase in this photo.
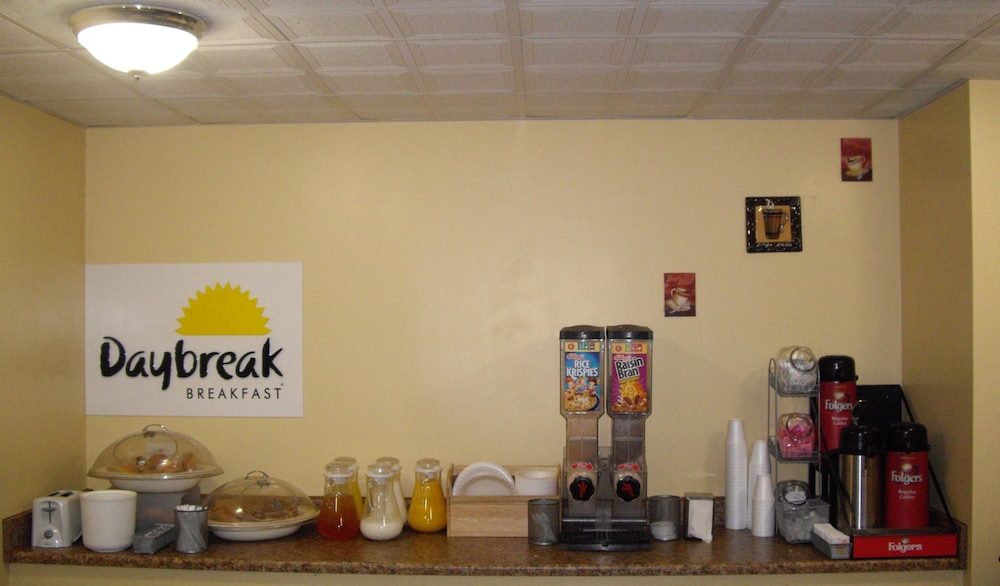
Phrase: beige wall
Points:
(948, 201)
(936, 243)
(458, 250)
(41, 284)
(441, 259)
(985, 136)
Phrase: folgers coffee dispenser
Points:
(907, 477)
(837, 395)
(604, 504)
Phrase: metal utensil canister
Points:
(192, 524)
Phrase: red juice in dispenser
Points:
(907, 477)
(838, 393)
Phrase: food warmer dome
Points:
(155, 460)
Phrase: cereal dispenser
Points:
(604, 503)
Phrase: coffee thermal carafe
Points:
(859, 494)
(907, 477)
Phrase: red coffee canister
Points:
(838, 393)
(907, 479)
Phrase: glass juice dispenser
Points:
(604, 504)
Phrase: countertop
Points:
(730, 553)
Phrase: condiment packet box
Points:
(831, 542)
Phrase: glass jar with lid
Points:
(339, 516)
(382, 520)
(397, 487)
(351, 463)
(428, 511)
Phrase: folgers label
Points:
(838, 393)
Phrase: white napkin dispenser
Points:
(55, 519)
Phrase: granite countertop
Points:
(731, 552)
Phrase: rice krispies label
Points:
(581, 376)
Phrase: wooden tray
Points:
(490, 516)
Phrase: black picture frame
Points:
(787, 238)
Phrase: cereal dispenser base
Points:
(614, 535)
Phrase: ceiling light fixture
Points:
(137, 39)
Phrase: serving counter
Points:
(306, 551)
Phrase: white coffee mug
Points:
(108, 519)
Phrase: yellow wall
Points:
(985, 136)
(441, 259)
(936, 241)
(41, 285)
(458, 250)
(948, 202)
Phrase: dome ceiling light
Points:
(135, 38)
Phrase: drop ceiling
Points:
(307, 61)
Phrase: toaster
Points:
(55, 519)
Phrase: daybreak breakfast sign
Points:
(222, 340)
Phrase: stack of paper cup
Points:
(763, 507)
(736, 476)
(759, 464)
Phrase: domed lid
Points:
(427, 466)
(860, 440)
(907, 437)
(258, 499)
(837, 369)
(155, 454)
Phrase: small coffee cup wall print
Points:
(855, 159)
(678, 294)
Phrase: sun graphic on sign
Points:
(223, 311)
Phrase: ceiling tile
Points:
(462, 19)
(803, 19)
(949, 20)
(353, 56)
(772, 78)
(354, 23)
(576, 18)
(576, 79)
(472, 82)
(567, 105)
(682, 51)
(709, 19)
(370, 82)
(783, 52)
(461, 52)
(673, 79)
(587, 52)
(114, 112)
(654, 105)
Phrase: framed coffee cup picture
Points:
(774, 224)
